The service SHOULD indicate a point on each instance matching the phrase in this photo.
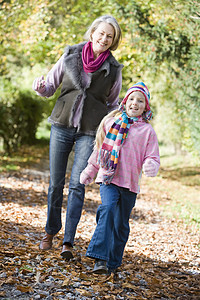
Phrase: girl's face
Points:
(102, 38)
(135, 104)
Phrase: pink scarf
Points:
(89, 64)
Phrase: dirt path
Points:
(161, 260)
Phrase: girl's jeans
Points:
(112, 230)
(61, 143)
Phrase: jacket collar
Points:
(74, 67)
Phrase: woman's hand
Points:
(150, 168)
(39, 85)
(85, 178)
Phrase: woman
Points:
(91, 81)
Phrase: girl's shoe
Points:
(100, 267)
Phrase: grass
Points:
(24, 157)
(178, 182)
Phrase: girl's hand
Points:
(150, 168)
(85, 178)
(39, 84)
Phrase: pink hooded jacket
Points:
(140, 145)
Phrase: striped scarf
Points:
(109, 152)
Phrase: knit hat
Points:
(141, 87)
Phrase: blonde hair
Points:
(110, 20)
(100, 135)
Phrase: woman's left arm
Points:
(113, 98)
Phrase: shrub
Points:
(19, 120)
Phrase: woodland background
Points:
(160, 46)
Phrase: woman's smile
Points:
(102, 38)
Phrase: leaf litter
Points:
(161, 258)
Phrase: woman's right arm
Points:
(53, 80)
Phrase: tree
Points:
(160, 46)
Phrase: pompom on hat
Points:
(141, 87)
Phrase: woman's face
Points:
(102, 38)
(135, 104)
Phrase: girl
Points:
(125, 143)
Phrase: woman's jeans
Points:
(61, 144)
(112, 230)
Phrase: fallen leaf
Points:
(66, 282)
(24, 289)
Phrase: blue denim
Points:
(112, 230)
(61, 144)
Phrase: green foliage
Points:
(167, 55)
(160, 46)
(19, 120)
